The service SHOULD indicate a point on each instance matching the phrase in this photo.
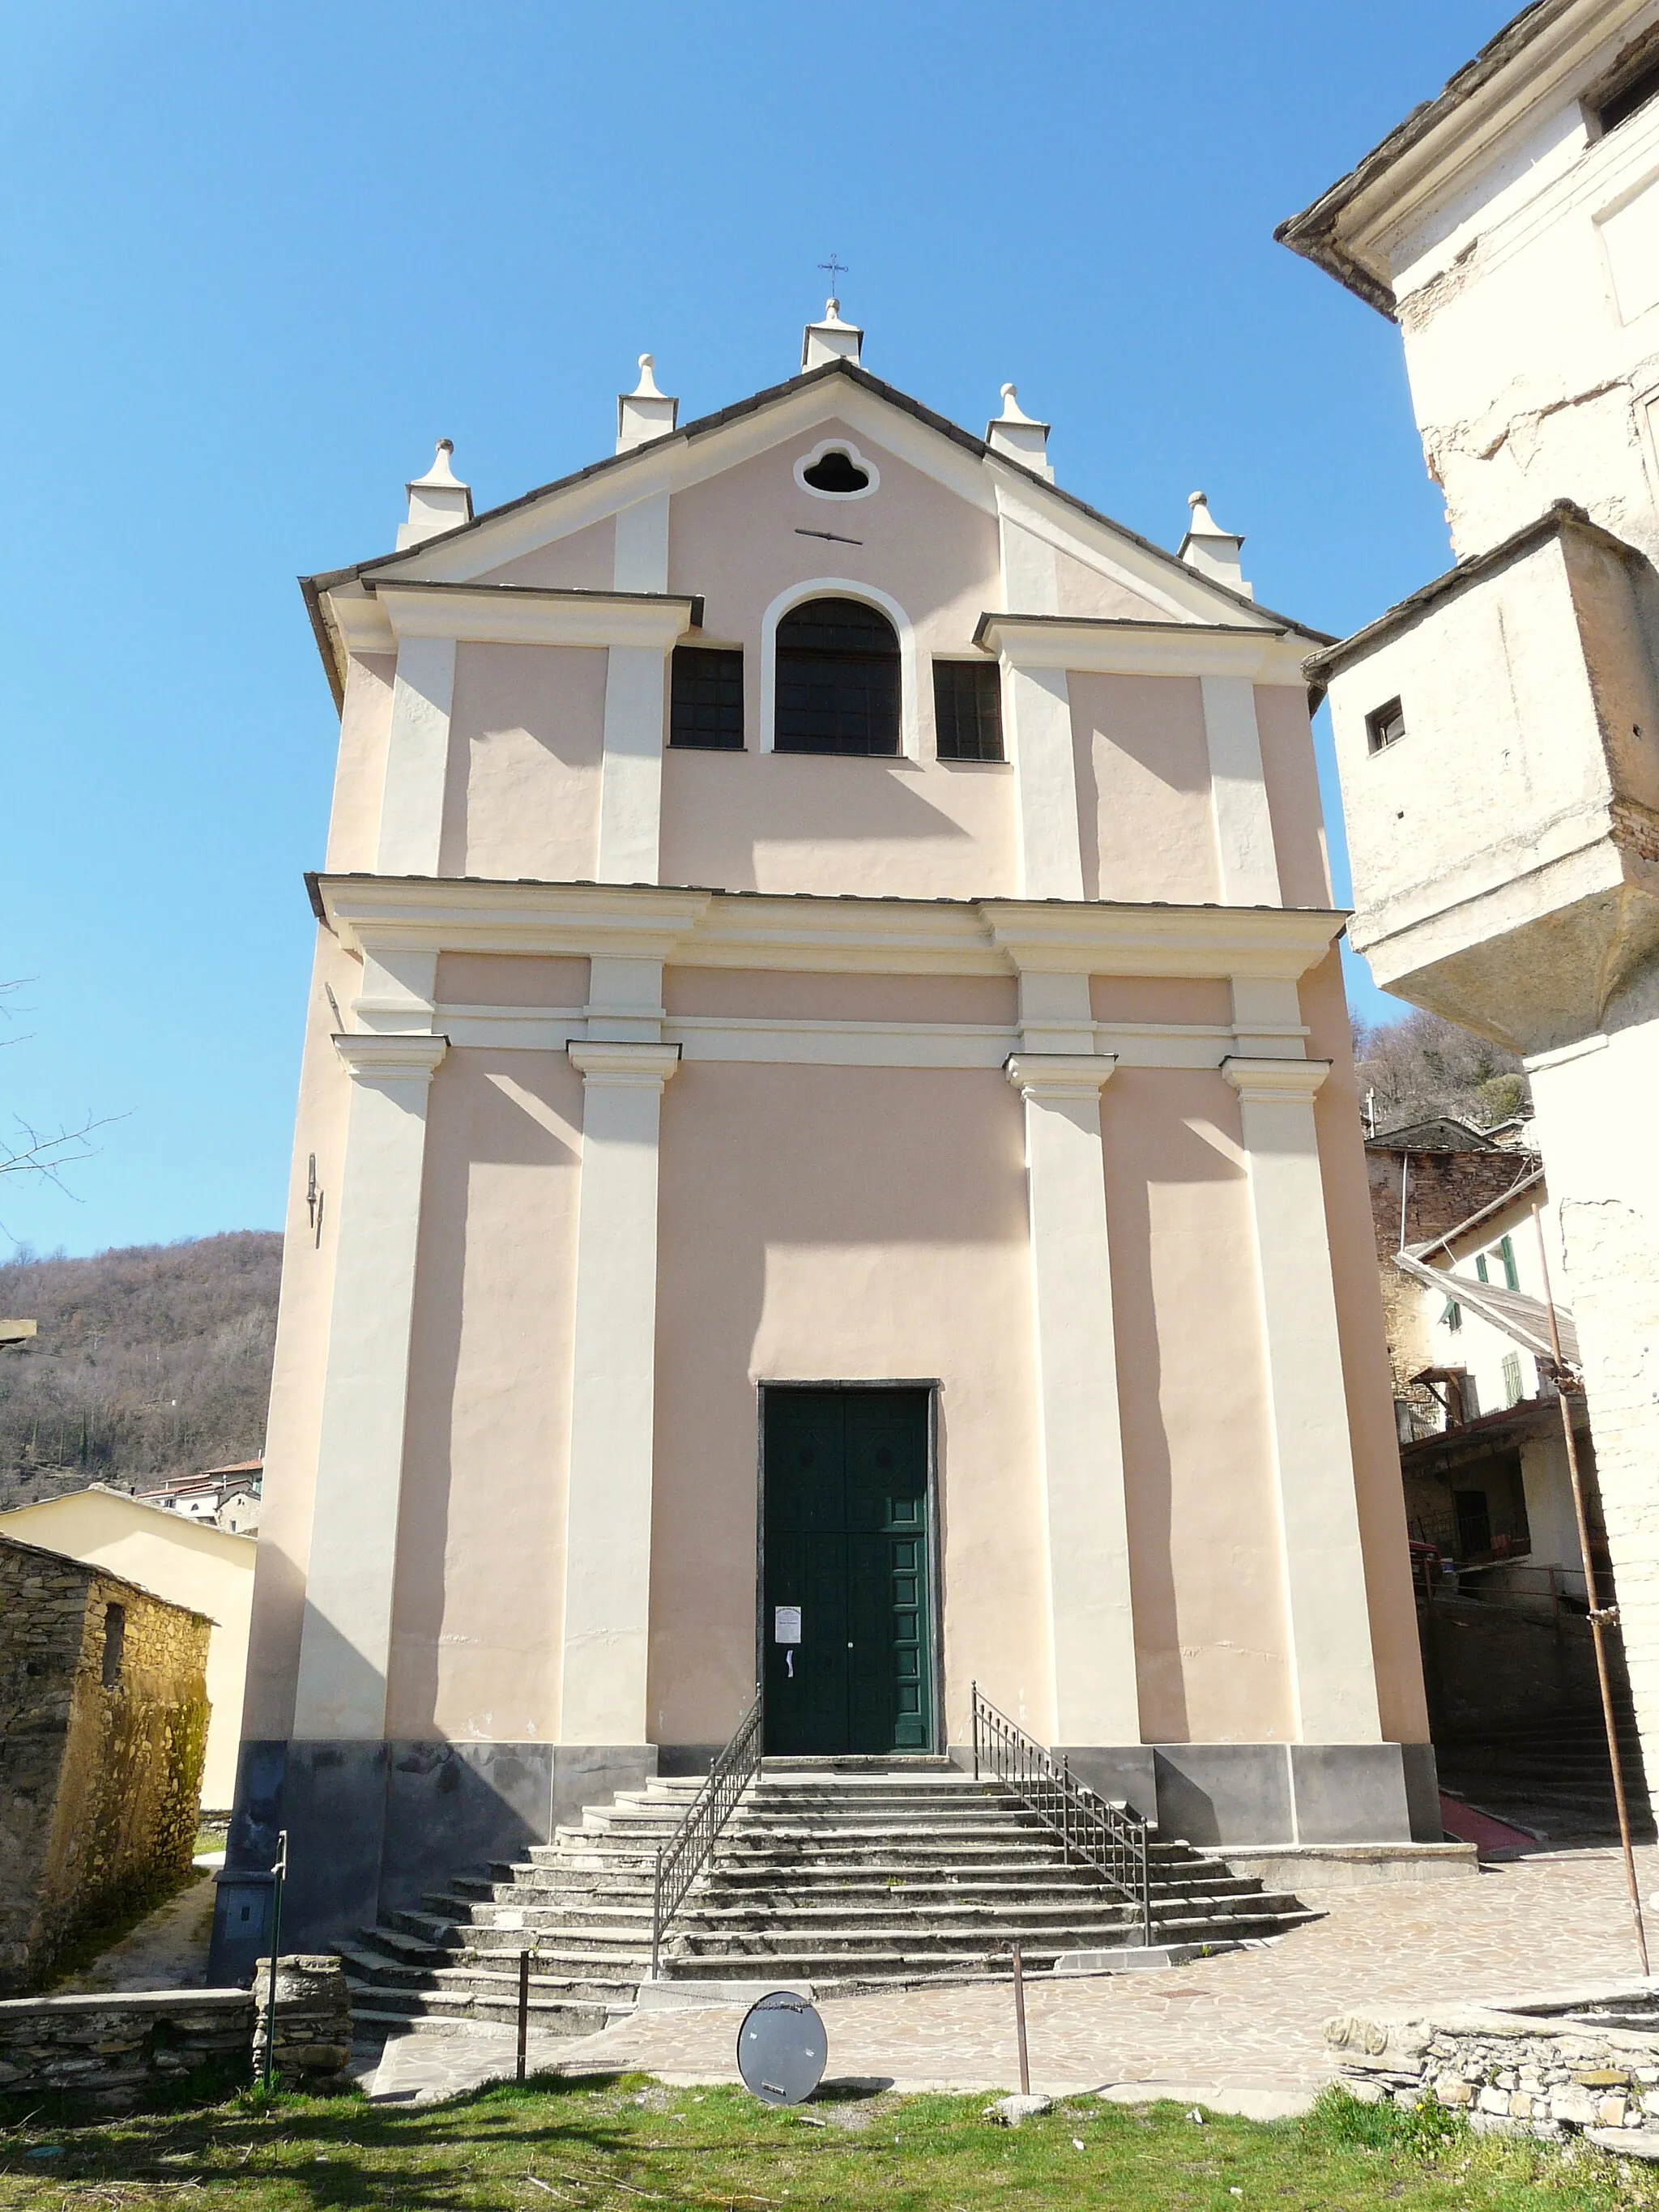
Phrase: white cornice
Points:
(1113, 647)
(1059, 1075)
(511, 614)
(1275, 1079)
(361, 621)
(438, 913)
(871, 936)
(1061, 938)
(376, 1057)
(625, 1066)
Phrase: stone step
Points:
(863, 1880)
(548, 2016)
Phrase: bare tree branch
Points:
(36, 1151)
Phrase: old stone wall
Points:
(103, 1729)
(314, 2020)
(1510, 2073)
(116, 2049)
(1442, 1189)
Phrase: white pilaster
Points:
(607, 1588)
(345, 1640)
(1332, 1672)
(1045, 780)
(1244, 826)
(417, 757)
(1039, 711)
(1091, 1619)
(641, 560)
(630, 782)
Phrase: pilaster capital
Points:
(376, 1057)
(1055, 1078)
(624, 1067)
(1274, 1080)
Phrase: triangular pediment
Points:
(538, 538)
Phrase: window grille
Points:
(968, 709)
(1511, 1378)
(837, 680)
(705, 708)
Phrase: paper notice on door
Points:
(786, 1623)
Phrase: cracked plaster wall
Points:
(1530, 306)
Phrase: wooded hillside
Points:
(150, 1361)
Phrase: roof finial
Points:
(645, 412)
(831, 339)
(1019, 436)
(647, 386)
(1211, 550)
(438, 502)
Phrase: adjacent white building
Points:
(1498, 732)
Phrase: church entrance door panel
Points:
(847, 1571)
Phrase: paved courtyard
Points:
(1243, 2030)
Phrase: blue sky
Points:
(257, 259)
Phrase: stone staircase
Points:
(845, 1877)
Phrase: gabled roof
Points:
(1523, 1320)
(1436, 1132)
(645, 461)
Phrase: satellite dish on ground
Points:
(782, 2048)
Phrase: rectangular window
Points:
(968, 709)
(1385, 727)
(706, 699)
(1452, 1316)
(1506, 1253)
(1511, 1378)
(115, 1636)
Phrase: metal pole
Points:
(523, 2011)
(1019, 2021)
(1601, 1618)
(975, 1690)
(1145, 1857)
(278, 1874)
(656, 1916)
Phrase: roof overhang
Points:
(1349, 229)
(1563, 518)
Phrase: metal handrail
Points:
(689, 1850)
(1106, 1836)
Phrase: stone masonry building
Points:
(103, 1727)
(1498, 732)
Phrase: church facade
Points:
(826, 1157)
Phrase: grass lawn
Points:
(622, 2145)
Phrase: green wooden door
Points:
(847, 1548)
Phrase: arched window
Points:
(837, 680)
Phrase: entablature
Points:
(386, 914)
